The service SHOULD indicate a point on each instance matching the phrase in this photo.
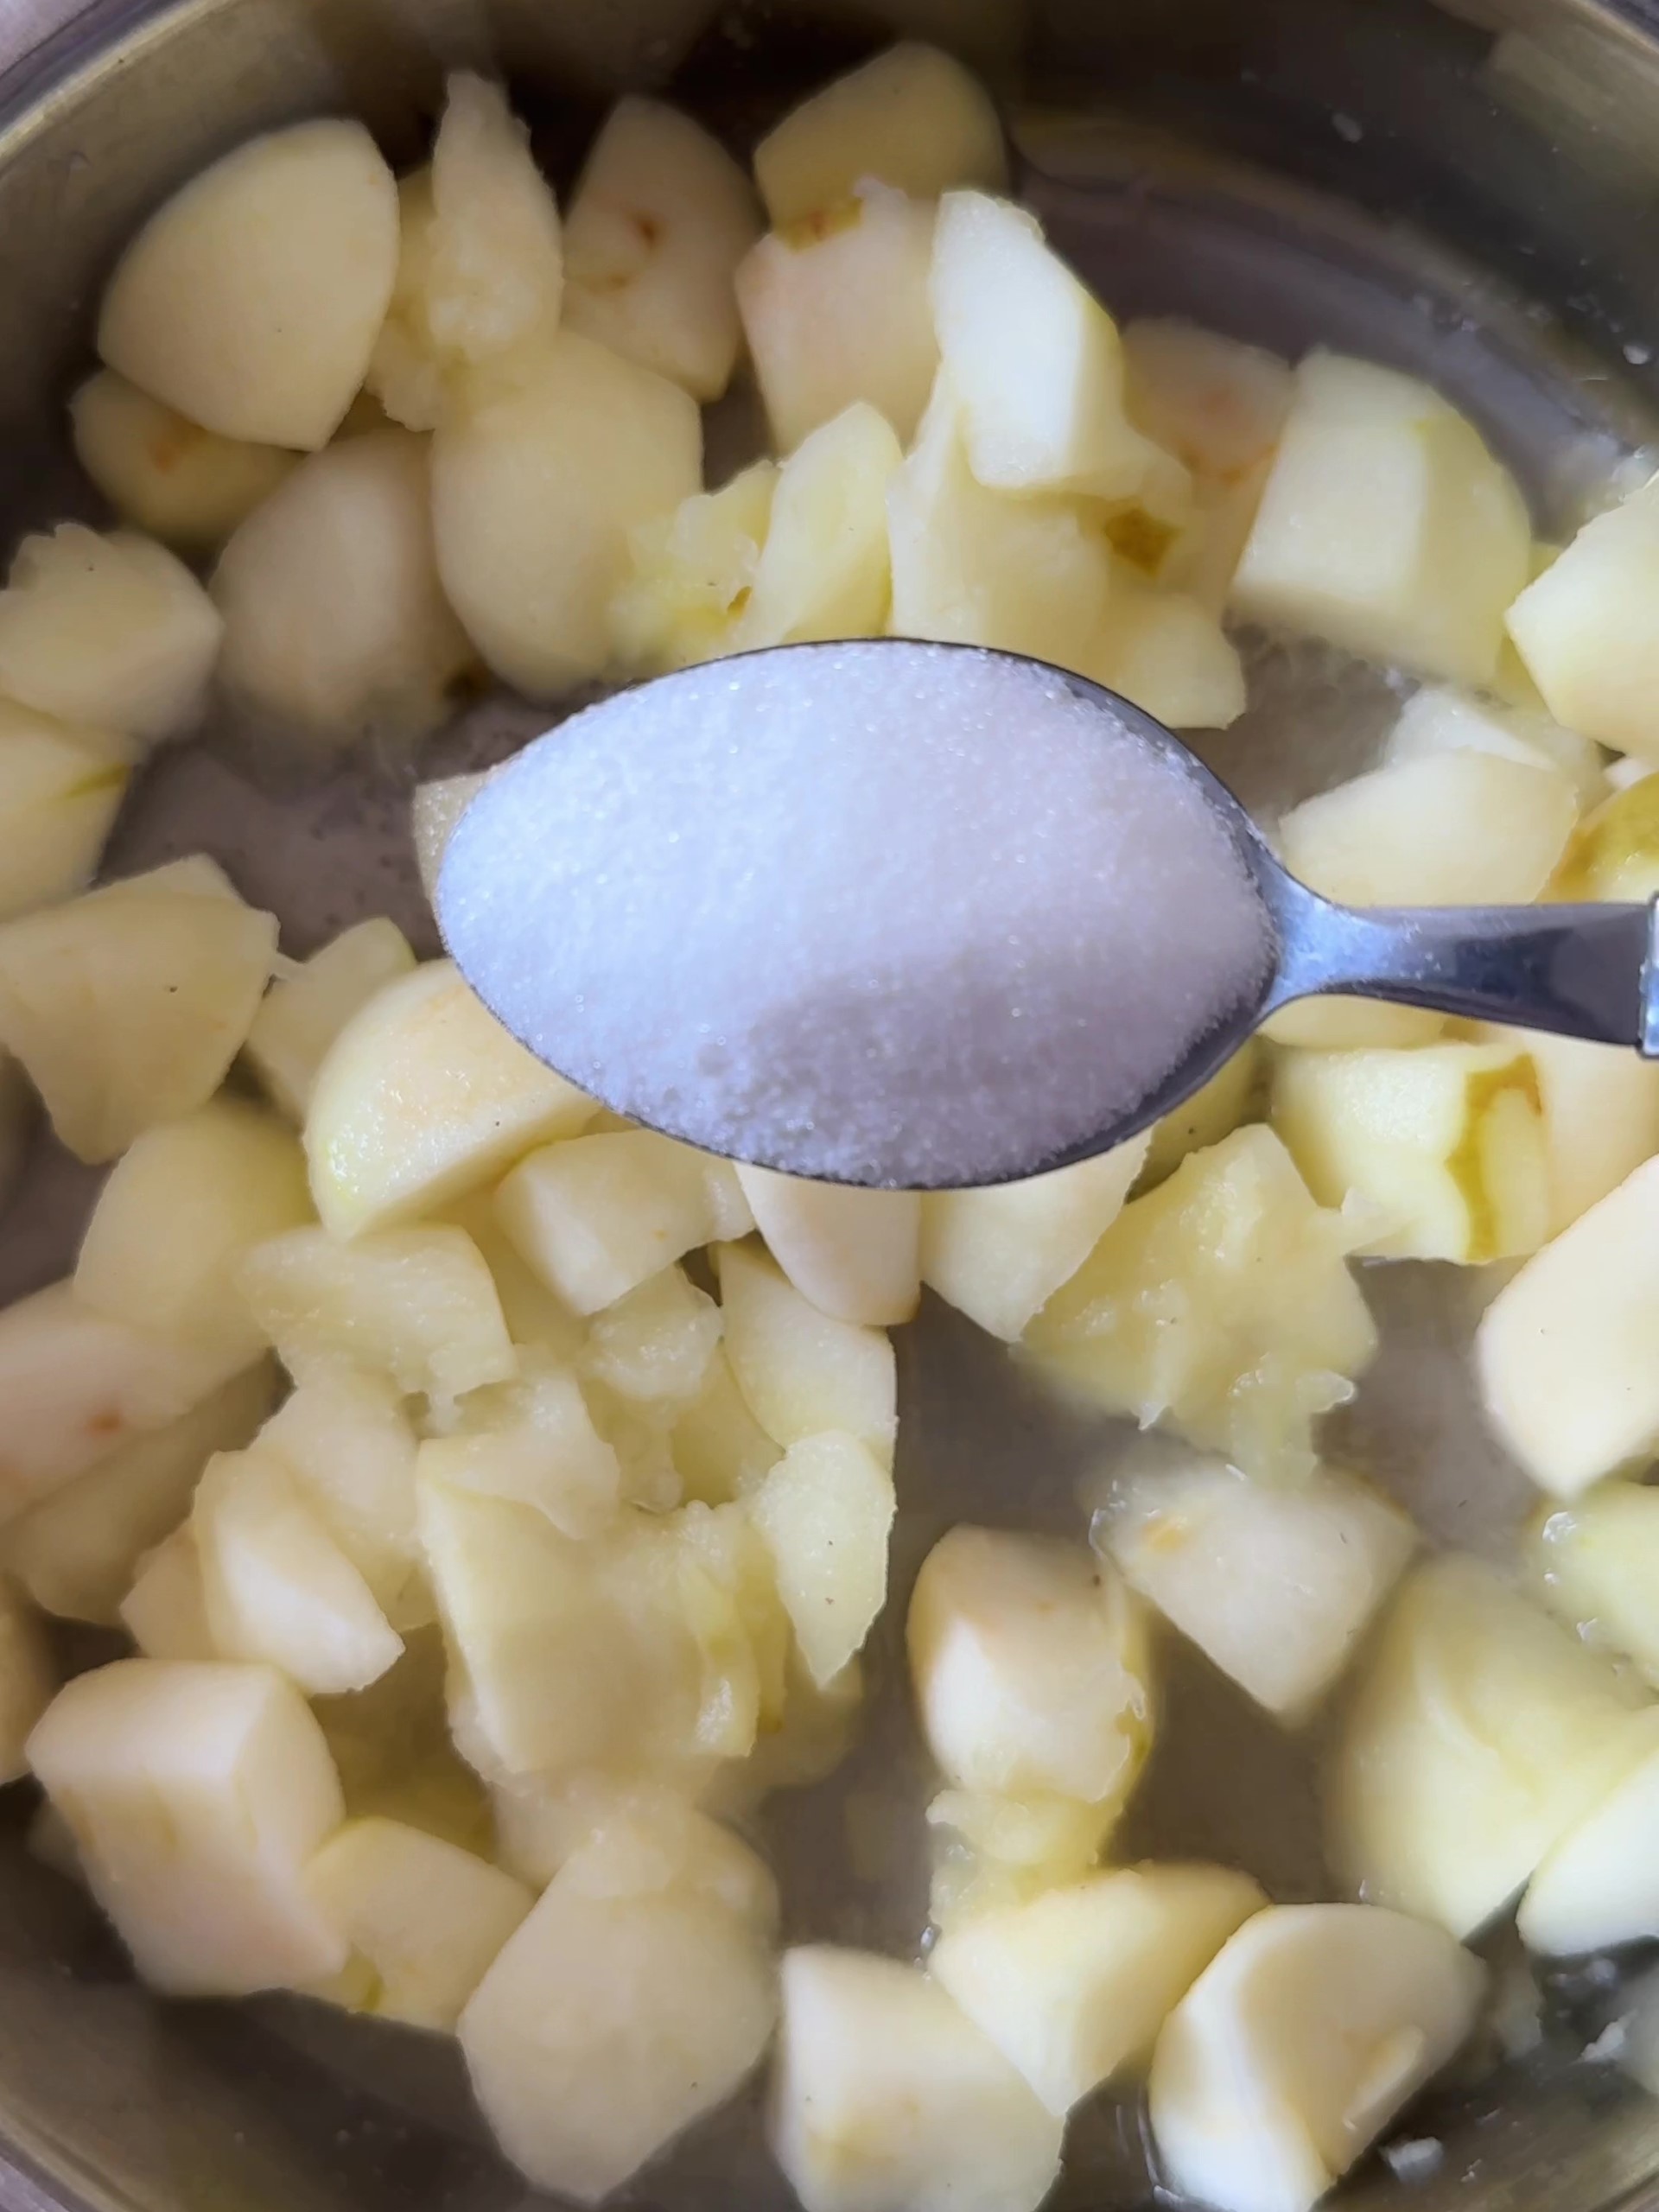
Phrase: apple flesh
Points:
(164, 474)
(1583, 631)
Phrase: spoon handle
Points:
(1581, 971)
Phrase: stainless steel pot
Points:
(1467, 188)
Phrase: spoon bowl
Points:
(926, 916)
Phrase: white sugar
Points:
(908, 914)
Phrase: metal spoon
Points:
(1580, 971)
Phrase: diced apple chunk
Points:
(535, 489)
(1440, 719)
(692, 573)
(1217, 405)
(175, 1217)
(1275, 1585)
(1221, 1304)
(1035, 361)
(802, 1372)
(1296, 2047)
(75, 1386)
(719, 1449)
(113, 632)
(1074, 1986)
(1479, 1734)
(823, 570)
(1597, 1563)
(426, 1918)
(835, 310)
(974, 566)
(1000, 1254)
(855, 1254)
(250, 300)
(654, 1346)
(887, 2098)
(27, 1681)
(423, 1096)
(127, 1006)
(826, 1510)
(1213, 1112)
(1597, 1889)
(1446, 1146)
(336, 628)
(1601, 1115)
(1585, 631)
(415, 1304)
(1564, 1350)
(59, 791)
(165, 1612)
(164, 473)
(345, 1437)
(481, 272)
(304, 1013)
(1387, 525)
(77, 1552)
(914, 117)
(633, 2000)
(534, 1442)
(277, 1587)
(1170, 656)
(433, 812)
(196, 1793)
(1029, 1662)
(598, 1215)
(661, 218)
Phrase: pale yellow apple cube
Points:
(598, 1215)
(304, 1012)
(1586, 632)
(59, 791)
(691, 575)
(165, 1612)
(802, 1372)
(1596, 1562)
(826, 1513)
(1217, 404)
(185, 485)
(1441, 719)
(344, 1436)
(823, 570)
(855, 1254)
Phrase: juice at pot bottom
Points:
(903, 913)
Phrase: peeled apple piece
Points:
(1170, 656)
(1441, 719)
(127, 1006)
(1597, 1566)
(433, 812)
(1297, 2046)
(346, 1439)
(75, 1386)
(885, 2097)
(77, 1552)
(480, 268)
(661, 217)
(1445, 1146)
(416, 1305)
(165, 1612)
(1275, 1584)
(27, 1681)
(1217, 405)
(1073, 1987)
(1030, 1667)
(1478, 1734)
(1600, 1106)
(597, 1215)
(1035, 359)
(1584, 632)
(1614, 852)
(630, 2001)
(974, 566)
(691, 575)
(835, 310)
(196, 1795)
(535, 489)
(855, 1254)
(61, 789)
(336, 627)
(826, 1512)
(275, 1585)
(424, 1917)
(423, 1096)
(1597, 1888)
(654, 1346)
(184, 484)
(999, 1254)
(801, 1371)
(1562, 1353)
(1213, 1112)
(177, 1213)
(823, 570)
(112, 630)
(912, 117)
(250, 300)
(1387, 526)
(304, 1011)
(1220, 1304)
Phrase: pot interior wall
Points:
(1524, 139)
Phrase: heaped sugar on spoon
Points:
(926, 916)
